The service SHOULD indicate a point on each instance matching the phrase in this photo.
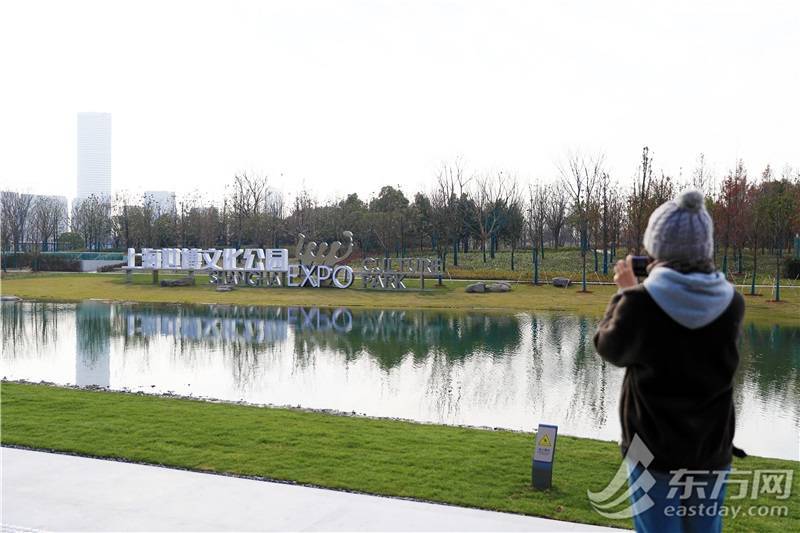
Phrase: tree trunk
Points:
(725, 261)
(755, 271)
(541, 242)
(584, 246)
(583, 275)
(778, 257)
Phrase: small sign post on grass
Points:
(543, 456)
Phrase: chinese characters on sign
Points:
(317, 265)
(255, 267)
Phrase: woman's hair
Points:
(706, 266)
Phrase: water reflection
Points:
(490, 369)
(93, 331)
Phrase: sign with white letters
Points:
(255, 267)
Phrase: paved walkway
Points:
(62, 492)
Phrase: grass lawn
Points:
(523, 297)
(566, 262)
(469, 467)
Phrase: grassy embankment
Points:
(523, 297)
(462, 466)
(566, 262)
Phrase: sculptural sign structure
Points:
(254, 267)
(389, 273)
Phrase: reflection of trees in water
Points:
(29, 325)
(442, 387)
(590, 375)
(93, 329)
(389, 336)
(563, 349)
(770, 364)
(440, 341)
(535, 366)
(443, 342)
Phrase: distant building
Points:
(94, 155)
(163, 200)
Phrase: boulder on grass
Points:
(224, 288)
(498, 287)
(476, 287)
(561, 282)
(180, 282)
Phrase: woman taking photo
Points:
(676, 336)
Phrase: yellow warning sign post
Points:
(543, 456)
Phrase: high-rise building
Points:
(163, 201)
(94, 155)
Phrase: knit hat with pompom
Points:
(680, 230)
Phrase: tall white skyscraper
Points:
(94, 155)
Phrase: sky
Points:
(347, 96)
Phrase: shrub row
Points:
(40, 262)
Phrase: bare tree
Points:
(48, 216)
(184, 206)
(447, 201)
(538, 200)
(606, 193)
(639, 199)
(580, 176)
(274, 217)
(513, 228)
(556, 211)
(303, 217)
(616, 205)
(246, 197)
(91, 219)
(490, 196)
(16, 209)
(702, 179)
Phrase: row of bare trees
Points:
(464, 211)
(26, 217)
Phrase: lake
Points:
(505, 370)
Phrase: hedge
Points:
(40, 262)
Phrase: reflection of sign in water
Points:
(236, 323)
(542, 468)
(388, 273)
(254, 267)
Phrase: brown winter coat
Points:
(677, 394)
